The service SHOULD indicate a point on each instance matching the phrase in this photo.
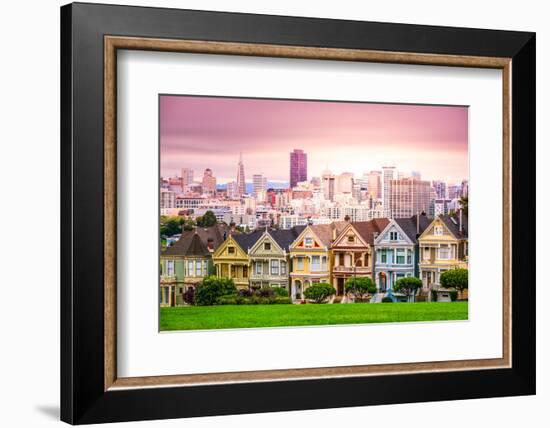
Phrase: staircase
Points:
(377, 297)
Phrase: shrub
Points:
(244, 292)
(407, 285)
(455, 278)
(227, 300)
(280, 292)
(211, 288)
(319, 292)
(265, 292)
(387, 300)
(434, 295)
(360, 287)
(454, 295)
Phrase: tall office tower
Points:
(329, 185)
(186, 178)
(374, 184)
(208, 183)
(232, 190)
(454, 191)
(440, 188)
(259, 184)
(241, 184)
(298, 167)
(344, 183)
(409, 196)
(388, 174)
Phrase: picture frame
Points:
(91, 35)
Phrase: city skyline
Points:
(432, 139)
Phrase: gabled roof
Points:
(285, 237)
(247, 240)
(367, 229)
(325, 232)
(196, 242)
(453, 224)
(409, 225)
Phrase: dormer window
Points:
(351, 239)
(267, 246)
(394, 236)
(308, 242)
(230, 250)
(438, 230)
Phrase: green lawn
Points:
(243, 316)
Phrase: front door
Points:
(382, 282)
(340, 287)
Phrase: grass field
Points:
(245, 316)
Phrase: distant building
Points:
(374, 184)
(440, 188)
(345, 183)
(441, 206)
(409, 197)
(259, 185)
(167, 199)
(388, 174)
(187, 178)
(241, 183)
(329, 185)
(298, 167)
(208, 183)
(465, 189)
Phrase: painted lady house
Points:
(310, 257)
(443, 246)
(184, 264)
(396, 249)
(268, 257)
(352, 252)
(231, 258)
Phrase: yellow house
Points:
(443, 246)
(231, 261)
(311, 257)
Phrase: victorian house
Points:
(352, 252)
(310, 256)
(443, 246)
(231, 258)
(268, 257)
(396, 251)
(184, 264)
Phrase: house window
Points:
(324, 262)
(267, 246)
(190, 268)
(198, 267)
(438, 230)
(409, 257)
(205, 267)
(315, 263)
(170, 268)
(274, 267)
(383, 256)
(400, 257)
(351, 239)
(299, 263)
(283, 268)
(259, 268)
(394, 236)
(444, 253)
(308, 242)
(426, 253)
(230, 250)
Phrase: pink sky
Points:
(209, 132)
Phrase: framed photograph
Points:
(277, 213)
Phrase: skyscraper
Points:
(374, 184)
(408, 197)
(186, 178)
(259, 184)
(440, 188)
(328, 181)
(298, 167)
(388, 174)
(241, 184)
(208, 183)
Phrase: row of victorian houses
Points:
(382, 249)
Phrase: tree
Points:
(207, 220)
(455, 278)
(360, 287)
(212, 288)
(319, 292)
(188, 224)
(171, 226)
(407, 285)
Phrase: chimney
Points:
(347, 218)
(210, 244)
(232, 226)
(417, 224)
